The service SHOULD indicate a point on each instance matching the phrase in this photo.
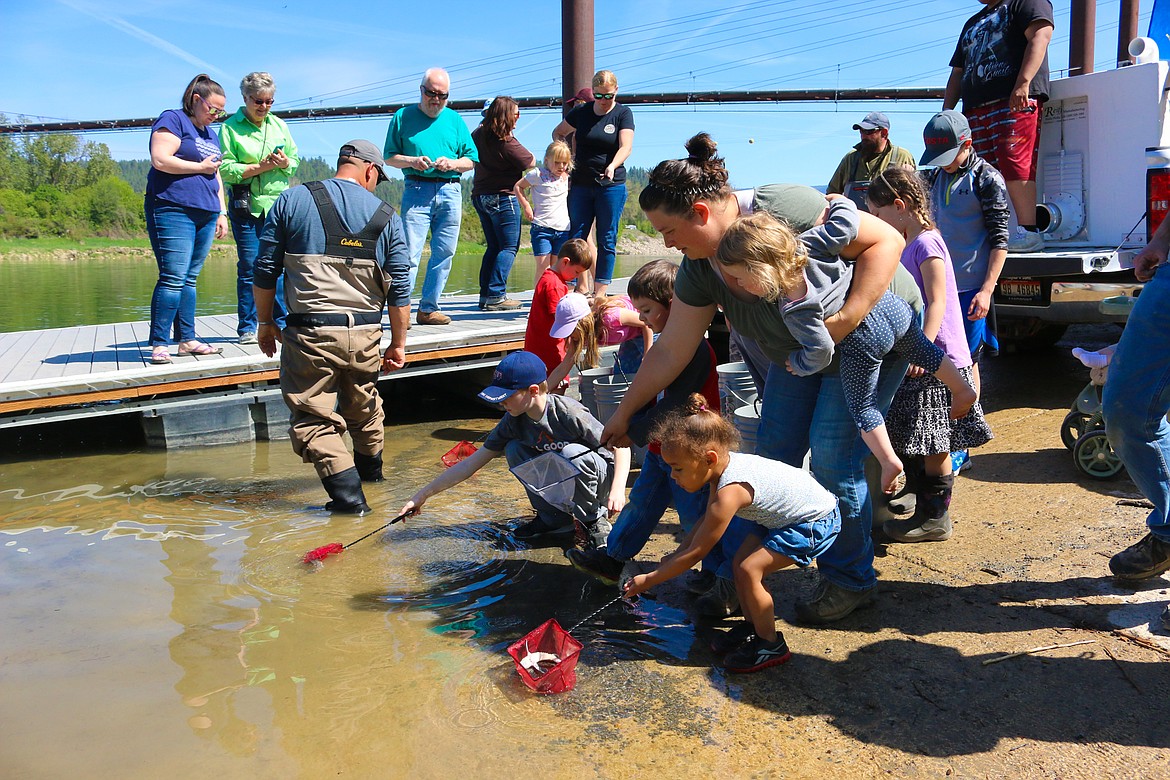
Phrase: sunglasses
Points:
(604, 95)
(216, 113)
(433, 94)
(870, 132)
(257, 102)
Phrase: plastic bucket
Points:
(609, 392)
(747, 422)
(736, 387)
(587, 378)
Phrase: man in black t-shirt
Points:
(1000, 70)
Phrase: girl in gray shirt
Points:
(793, 519)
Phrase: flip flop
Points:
(160, 357)
(199, 349)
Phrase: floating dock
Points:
(71, 373)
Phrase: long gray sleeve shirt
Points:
(827, 277)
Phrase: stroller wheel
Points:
(1073, 428)
(1095, 458)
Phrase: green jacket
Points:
(853, 168)
(243, 143)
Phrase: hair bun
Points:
(700, 148)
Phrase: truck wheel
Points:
(1029, 335)
(1073, 428)
(1095, 458)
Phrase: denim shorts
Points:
(802, 542)
(546, 241)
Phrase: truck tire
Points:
(1028, 335)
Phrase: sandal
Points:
(199, 349)
(160, 356)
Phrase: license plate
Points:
(1021, 290)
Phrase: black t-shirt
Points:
(597, 141)
(991, 50)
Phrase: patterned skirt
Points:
(919, 421)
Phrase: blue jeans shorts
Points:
(546, 241)
(802, 542)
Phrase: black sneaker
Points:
(757, 654)
(832, 602)
(723, 643)
(699, 582)
(597, 564)
(1148, 558)
(719, 602)
(537, 528)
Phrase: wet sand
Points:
(157, 622)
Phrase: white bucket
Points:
(609, 392)
(747, 422)
(736, 387)
(587, 378)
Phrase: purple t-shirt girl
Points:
(952, 337)
(193, 190)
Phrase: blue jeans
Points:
(1137, 398)
(181, 238)
(589, 202)
(651, 494)
(436, 207)
(546, 241)
(246, 232)
(500, 216)
(794, 407)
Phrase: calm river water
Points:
(157, 620)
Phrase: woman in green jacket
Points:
(259, 158)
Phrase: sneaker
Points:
(1148, 558)
(508, 304)
(960, 461)
(699, 582)
(723, 643)
(596, 564)
(247, 338)
(720, 601)
(537, 528)
(1025, 241)
(432, 318)
(757, 654)
(832, 602)
(919, 529)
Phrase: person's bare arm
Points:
(1039, 34)
(562, 131)
(954, 89)
(625, 146)
(877, 252)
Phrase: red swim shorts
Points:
(1009, 140)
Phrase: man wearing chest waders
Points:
(343, 256)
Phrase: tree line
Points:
(59, 186)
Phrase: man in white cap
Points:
(867, 159)
(343, 256)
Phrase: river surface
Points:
(158, 621)
(116, 287)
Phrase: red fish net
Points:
(460, 451)
(546, 658)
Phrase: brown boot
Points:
(432, 318)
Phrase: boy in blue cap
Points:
(537, 423)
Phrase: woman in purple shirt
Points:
(185, 211)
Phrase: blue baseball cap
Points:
(518, 371)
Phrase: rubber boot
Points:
(931, 521)
(369, 467)
(345, 493)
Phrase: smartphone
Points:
(279, 148)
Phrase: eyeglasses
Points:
(604, 95)
(258, 102)
(434, 94)
(870, 132)
(216, 113)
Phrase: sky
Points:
(116, 59)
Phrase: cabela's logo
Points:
(352, 242)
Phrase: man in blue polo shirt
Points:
(432, 144)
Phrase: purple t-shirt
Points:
(193, 190)
(952, 337)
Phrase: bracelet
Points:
(265, 323)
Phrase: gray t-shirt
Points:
(699, 283)
(565, 421)
(827, 277)
(782, 495)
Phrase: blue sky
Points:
(79, 59)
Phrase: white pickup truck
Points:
(1104, 165)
